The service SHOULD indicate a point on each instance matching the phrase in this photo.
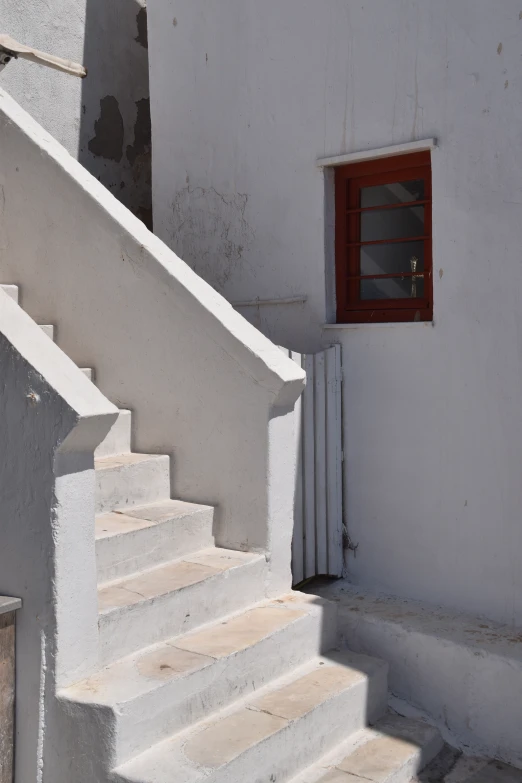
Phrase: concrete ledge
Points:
(8, 604)
(464, 672)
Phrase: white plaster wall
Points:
(463, 672)
(53, 98)
(245, 96)
(104, 120)
(204, 386)
(51, 420)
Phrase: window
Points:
(383, 240)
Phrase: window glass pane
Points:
(392, 223)
(393, 193)
(395, 257)
(392, 288)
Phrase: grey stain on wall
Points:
(139, 156)
(140, 150)
(114, 125)
(141, 21)
(107, 141)
(210, 232)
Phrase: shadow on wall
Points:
(115, 133)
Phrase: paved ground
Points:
(451, 766)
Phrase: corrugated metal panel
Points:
(321, 523)
(298, 536)
(308, 460)
(334, 460)
(317, 545)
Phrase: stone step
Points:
(88, 372)
(452, 766)
(274, 733)
(48, 329)
(393, 751)
(164, 689)
(135, 539)
(118, 439)
(11, 290)
(176, 598)
(128, 480)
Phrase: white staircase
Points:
(200, 677)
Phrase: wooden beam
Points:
(19, 50)
(7, 695)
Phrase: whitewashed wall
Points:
(204, 385)
(245, 97)
(103, 120)
(54, 99)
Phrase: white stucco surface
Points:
(103, 119)
(52, 419)
(245, 98)
(54, 99)
(205, 387)
(465, 673)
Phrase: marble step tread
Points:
(269, 727)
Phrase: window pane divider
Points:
(388, 241)
(403, 303)
(399, 205)
(400, 275)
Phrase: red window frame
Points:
(348, 183)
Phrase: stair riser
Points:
(122, 631)
(186, 700)
(48, 329)
(12, 291)
(118, 439)
(132, 485)
(280, 756)
(418, 760)
(119, 556)
(424, 747)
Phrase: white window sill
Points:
(375, 154)
(388, 325)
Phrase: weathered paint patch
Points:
(210, 232)
(107, 141)
(139, 156)
(141, 22)
(142, 133)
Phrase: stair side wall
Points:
(50, 421)
(201, 381)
